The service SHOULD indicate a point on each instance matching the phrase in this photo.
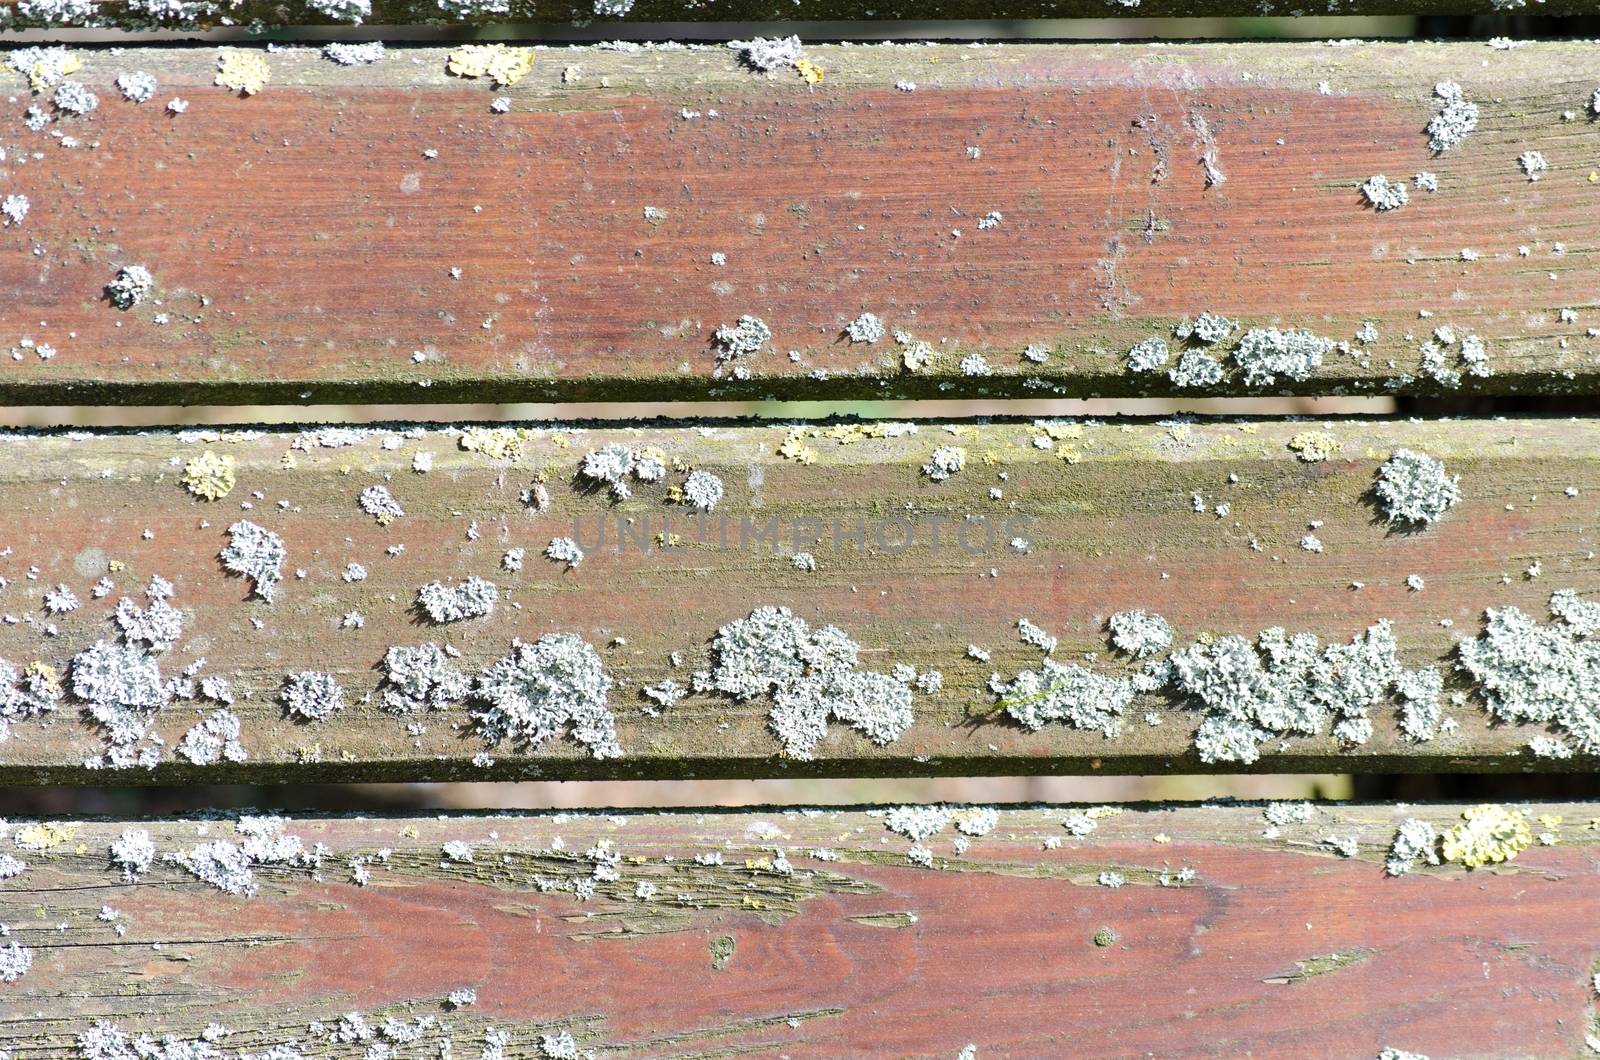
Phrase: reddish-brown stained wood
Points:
(1276, 948)
(302, 243)
(117, 15)
(1111, 529)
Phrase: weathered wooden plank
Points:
(813, 933)
(302, 240)
(913, 570)
(181, 14)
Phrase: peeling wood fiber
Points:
(302, 244)
(1443, 961)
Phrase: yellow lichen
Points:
(1058, 431)
(1097, 813)
(43, 835)
(794, 447)
(50, 69)
(209, 476)
(809, 71)
(502, 65)
(47, 675)
(499, 443)
(1313, 446)
(1486, 834)
(243, 72)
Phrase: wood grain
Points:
(1111, 527)
(1277, 947)
(116, 15)
(302, 243)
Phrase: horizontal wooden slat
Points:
(116, 14)
(302, 242)
(1270, 944)
(1111, 527)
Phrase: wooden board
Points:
(1275, 947)
(302, 241)
(1105, 518)
(116, 14)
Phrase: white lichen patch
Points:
(1413, 489)
(1149, 355)
(1207, 328)
(558, 683)
(421, 678)
(72, 97)
(133, 852)
(43, 67)
(1284, 814)
(613, 465)
(811, 676)
(14, 209)
(15, 960)
(1139, 634)
(1196, 368)
(213, 740)
(564, 550)
(1456, 117)
(945, 461)
(28, 694)
(379, 503)
(473, 598)
(1532, 163)
(1415, 842)
(702, 490)
(866, 328)
(1541, 675)
(1420, 708)
(123, 690)
(1284, 686)
(1384, 195)
(1263, 354)
(742, 339)
(363, 54)
(1036, 636)
(130, 287)
(136, 86)
(1581, 616)
(767, 53)
(229, 866)
(311, 695)
(255, 553)
(1067, 693)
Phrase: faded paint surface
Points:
(1000, 953)
(1113, 530)
(302, 243)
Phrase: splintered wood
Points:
(1017, 931)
